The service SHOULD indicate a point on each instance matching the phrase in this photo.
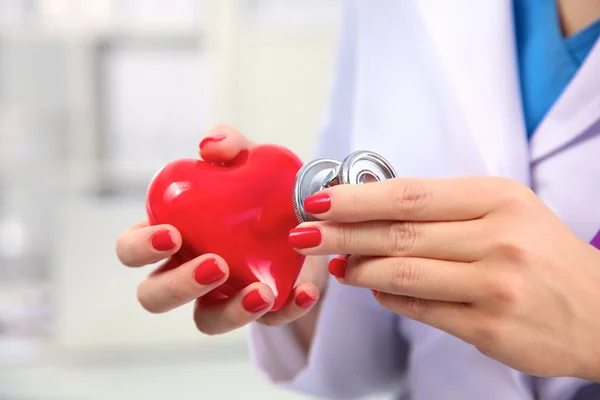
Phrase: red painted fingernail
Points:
(317, 203)
(304, 300)
(337, 266)
(254, 302)
(374, 292)
(162, 241)
(211, 139)
(305, 238)
(208, 272)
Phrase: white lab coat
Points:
(433, 87)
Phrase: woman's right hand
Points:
(172, 284)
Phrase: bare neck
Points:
(576, 15)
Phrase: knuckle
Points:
(401, 237)
(405, 276)
(174, 290)
(207, 329)
(145, 301)
(487, 335)
(353, 201)
(346, 237)
(519, 203)
(126, 254)
(516, 197)
(409, 196)
(417, 309)
(511, 249)
(204, 325)
(506, 291)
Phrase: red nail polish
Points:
(317, 203)
(208, 272)
(304, 300)
(374, 292)
(162, 241)
(211, 139)
(254, 302)
(305, 238)
(337, 266)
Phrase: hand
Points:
(480, 258)
(174, 284)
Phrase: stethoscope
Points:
(359, 167)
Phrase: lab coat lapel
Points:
(475, 41)
(574, 113)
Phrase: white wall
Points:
(284, 85)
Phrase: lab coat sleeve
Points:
(356, 350)
(566, 389)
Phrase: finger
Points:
(415, 277)
(243, 308)
(142, 244)
(453, 241)
(409, 199)
(456, 319)
(174, 285)
(300, 303)
(222, 144)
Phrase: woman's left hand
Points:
(480, 258)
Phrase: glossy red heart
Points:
(241, 211)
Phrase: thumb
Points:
(222, 144)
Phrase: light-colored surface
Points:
(177, 377)
(180, 380)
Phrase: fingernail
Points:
(374, 292)
(254, 302)
(317, 203)
(162, 241)
(211, 139)
(337, 266)
(305, 238)
(208, 272)
(304, 300)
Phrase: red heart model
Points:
(241, 210)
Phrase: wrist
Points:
(590, 348)
(590, 367)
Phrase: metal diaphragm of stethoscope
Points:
(358, 168)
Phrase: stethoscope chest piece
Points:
(358, 168)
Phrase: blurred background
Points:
(95, 96)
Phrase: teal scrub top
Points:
(547, 60)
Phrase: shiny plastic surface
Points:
(241, 211)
